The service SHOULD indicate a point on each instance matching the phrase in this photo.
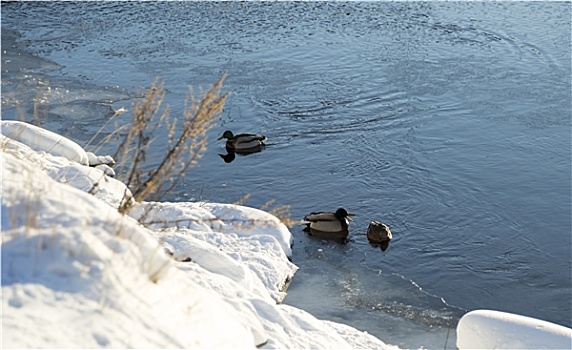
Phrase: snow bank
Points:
(251, 246)
(43, 140)
(61, 169)
(81, 275)
(487, 329)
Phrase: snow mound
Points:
(251, 245)
(43, 140)
(225, 218)
(63, 170)
(487, 329)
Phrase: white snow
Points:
(488, 329)
(43, 140)
(77, 274)
(195, 275)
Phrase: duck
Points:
(379, 233)
(242, 141)
(337, 221)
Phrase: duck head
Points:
(226, 135)
(341, 213)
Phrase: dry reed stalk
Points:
(242, 200)
(282, 213)
(184, 147)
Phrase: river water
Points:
(448, 121)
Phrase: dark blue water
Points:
(448, 121)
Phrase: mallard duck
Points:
(242, 141)
(329, 221)
(379, 233)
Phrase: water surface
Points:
(448, 121)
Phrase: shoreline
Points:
(241, 270)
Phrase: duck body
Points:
(378, 232)
(329, 221)
(243, 142)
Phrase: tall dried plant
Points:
(184, 147)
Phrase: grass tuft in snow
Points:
(184, 148)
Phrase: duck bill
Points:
(220, 138)
(350, 215)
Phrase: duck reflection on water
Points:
(231, 153)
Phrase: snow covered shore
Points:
(194, 275)
(77, 274)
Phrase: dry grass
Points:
(242, 200)
(25, 214)
(118, 129)
(185, 143)
(281, 212)
(184, 148)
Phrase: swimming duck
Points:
(379, 233)
(328, 221)
(242, 141)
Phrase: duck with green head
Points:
(242, 141)
(337, 221)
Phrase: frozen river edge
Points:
(201, 275)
